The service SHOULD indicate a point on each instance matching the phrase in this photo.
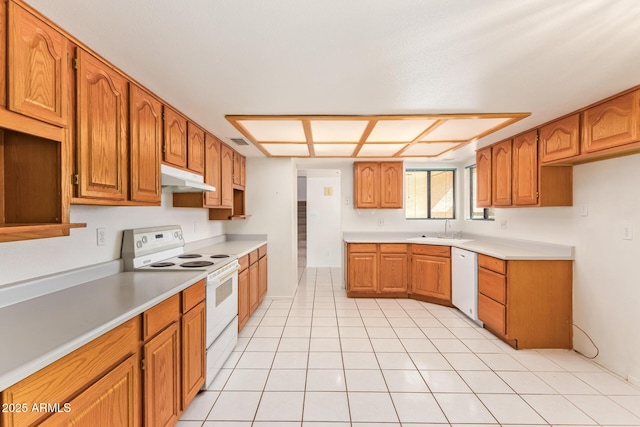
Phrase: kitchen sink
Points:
(438, 240)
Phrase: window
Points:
(430, 194)
(474, 211)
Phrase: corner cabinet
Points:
(378, 185)
(101, 150)
(431, 273)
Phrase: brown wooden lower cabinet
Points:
(144, 372)
(431, 273)
(111, 401)
(377, 270)
(252, 283)
(528, 304)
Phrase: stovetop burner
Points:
(162, 264)
(187, 256)
(219, 256)
(195, 264)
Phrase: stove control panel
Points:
(143, 241)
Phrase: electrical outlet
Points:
(347, 202)
(100, 236)
(503, 224)
(380, 222)
(584, 209)
(627, 231)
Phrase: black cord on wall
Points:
(592, 343)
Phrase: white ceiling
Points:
(210, 58)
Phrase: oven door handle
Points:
(227, 275)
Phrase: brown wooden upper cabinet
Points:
(612, 124)
(101, 150)
(37, 67)
(226, 177)
(195, 148)
(239, 172)
(525, 169)
(378, 185)
(501, 173)
(212, 156)
(483, 177)
(560, 139)
(145, 140)
(175, 138)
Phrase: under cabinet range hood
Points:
(182, 181)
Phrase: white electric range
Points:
(162, 249)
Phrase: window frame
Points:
(487, 213)
(429, 170)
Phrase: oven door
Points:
(222, 303)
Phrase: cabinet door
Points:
(195, 148)
(145, 117)
(366, 180)
(391, 182)
(111, 401)
(37, 68)
(254, 287)
(161, 378)
(363, 272)
(483, 177)
(212, 158)
(612, 123)
(525, 169)
(102, 130)
(226, 177)
(193, 353)
(393, 273)
(243, 171)
(431, 276)
(175, 138)
(501, 173)
(560, 139)
(243, 298)
(237, 169)
(263, 279)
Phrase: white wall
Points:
(606, 284)
(271, 200)
(324, 229)
(32, 258)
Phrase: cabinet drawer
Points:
(262, 251)
(193, 295)
(159, 317)
(493, 264)
(492, 313)
(253, 257)
(393, 248)
(71, 374)
(362, 247)
(444, 251)
(493, 285)
(244, 262)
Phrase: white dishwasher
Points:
(464, 282)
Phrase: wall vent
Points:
(239, 141)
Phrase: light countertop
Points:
(41, 330)
(507, 249)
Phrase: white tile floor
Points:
(323, 360)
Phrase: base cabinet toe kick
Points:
(525, 303)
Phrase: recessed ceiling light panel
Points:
(429, 149)
(275, 130)
(463, 129)
(287, 150)
(337, 130)
(334, 150)
(398, 130)
(380, 150)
